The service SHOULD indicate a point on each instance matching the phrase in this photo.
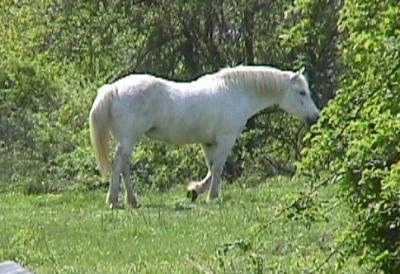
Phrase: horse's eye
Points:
(302, 93)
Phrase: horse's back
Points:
(174, 112)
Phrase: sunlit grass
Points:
(75, 232)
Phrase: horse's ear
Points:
(295, 76)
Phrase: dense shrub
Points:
(28, 97)
(357, 140)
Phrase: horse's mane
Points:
(259, 78)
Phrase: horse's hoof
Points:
(136, 205)
(133, 201)
(116, 206)
(212, 196)
(192, 195)
(113, 202)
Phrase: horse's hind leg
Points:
(114, 187)
(131, 196)
(121, 167)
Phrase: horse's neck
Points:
(258, 102)
(257, 96)
(255, 100)
(248, 98)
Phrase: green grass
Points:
(75, 232)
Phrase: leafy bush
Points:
(28, 97)
(357, 140)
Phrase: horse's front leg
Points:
(219, 155)
(215, 155)
(194, 189)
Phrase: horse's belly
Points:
(179, 135)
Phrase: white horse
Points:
(211, 110)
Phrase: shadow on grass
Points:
(177, 206)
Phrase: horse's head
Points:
(297, 99)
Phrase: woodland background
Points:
(55, 54)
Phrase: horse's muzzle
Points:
(312, 119)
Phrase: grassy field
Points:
(75, 232)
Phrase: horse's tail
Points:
(99, 122)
